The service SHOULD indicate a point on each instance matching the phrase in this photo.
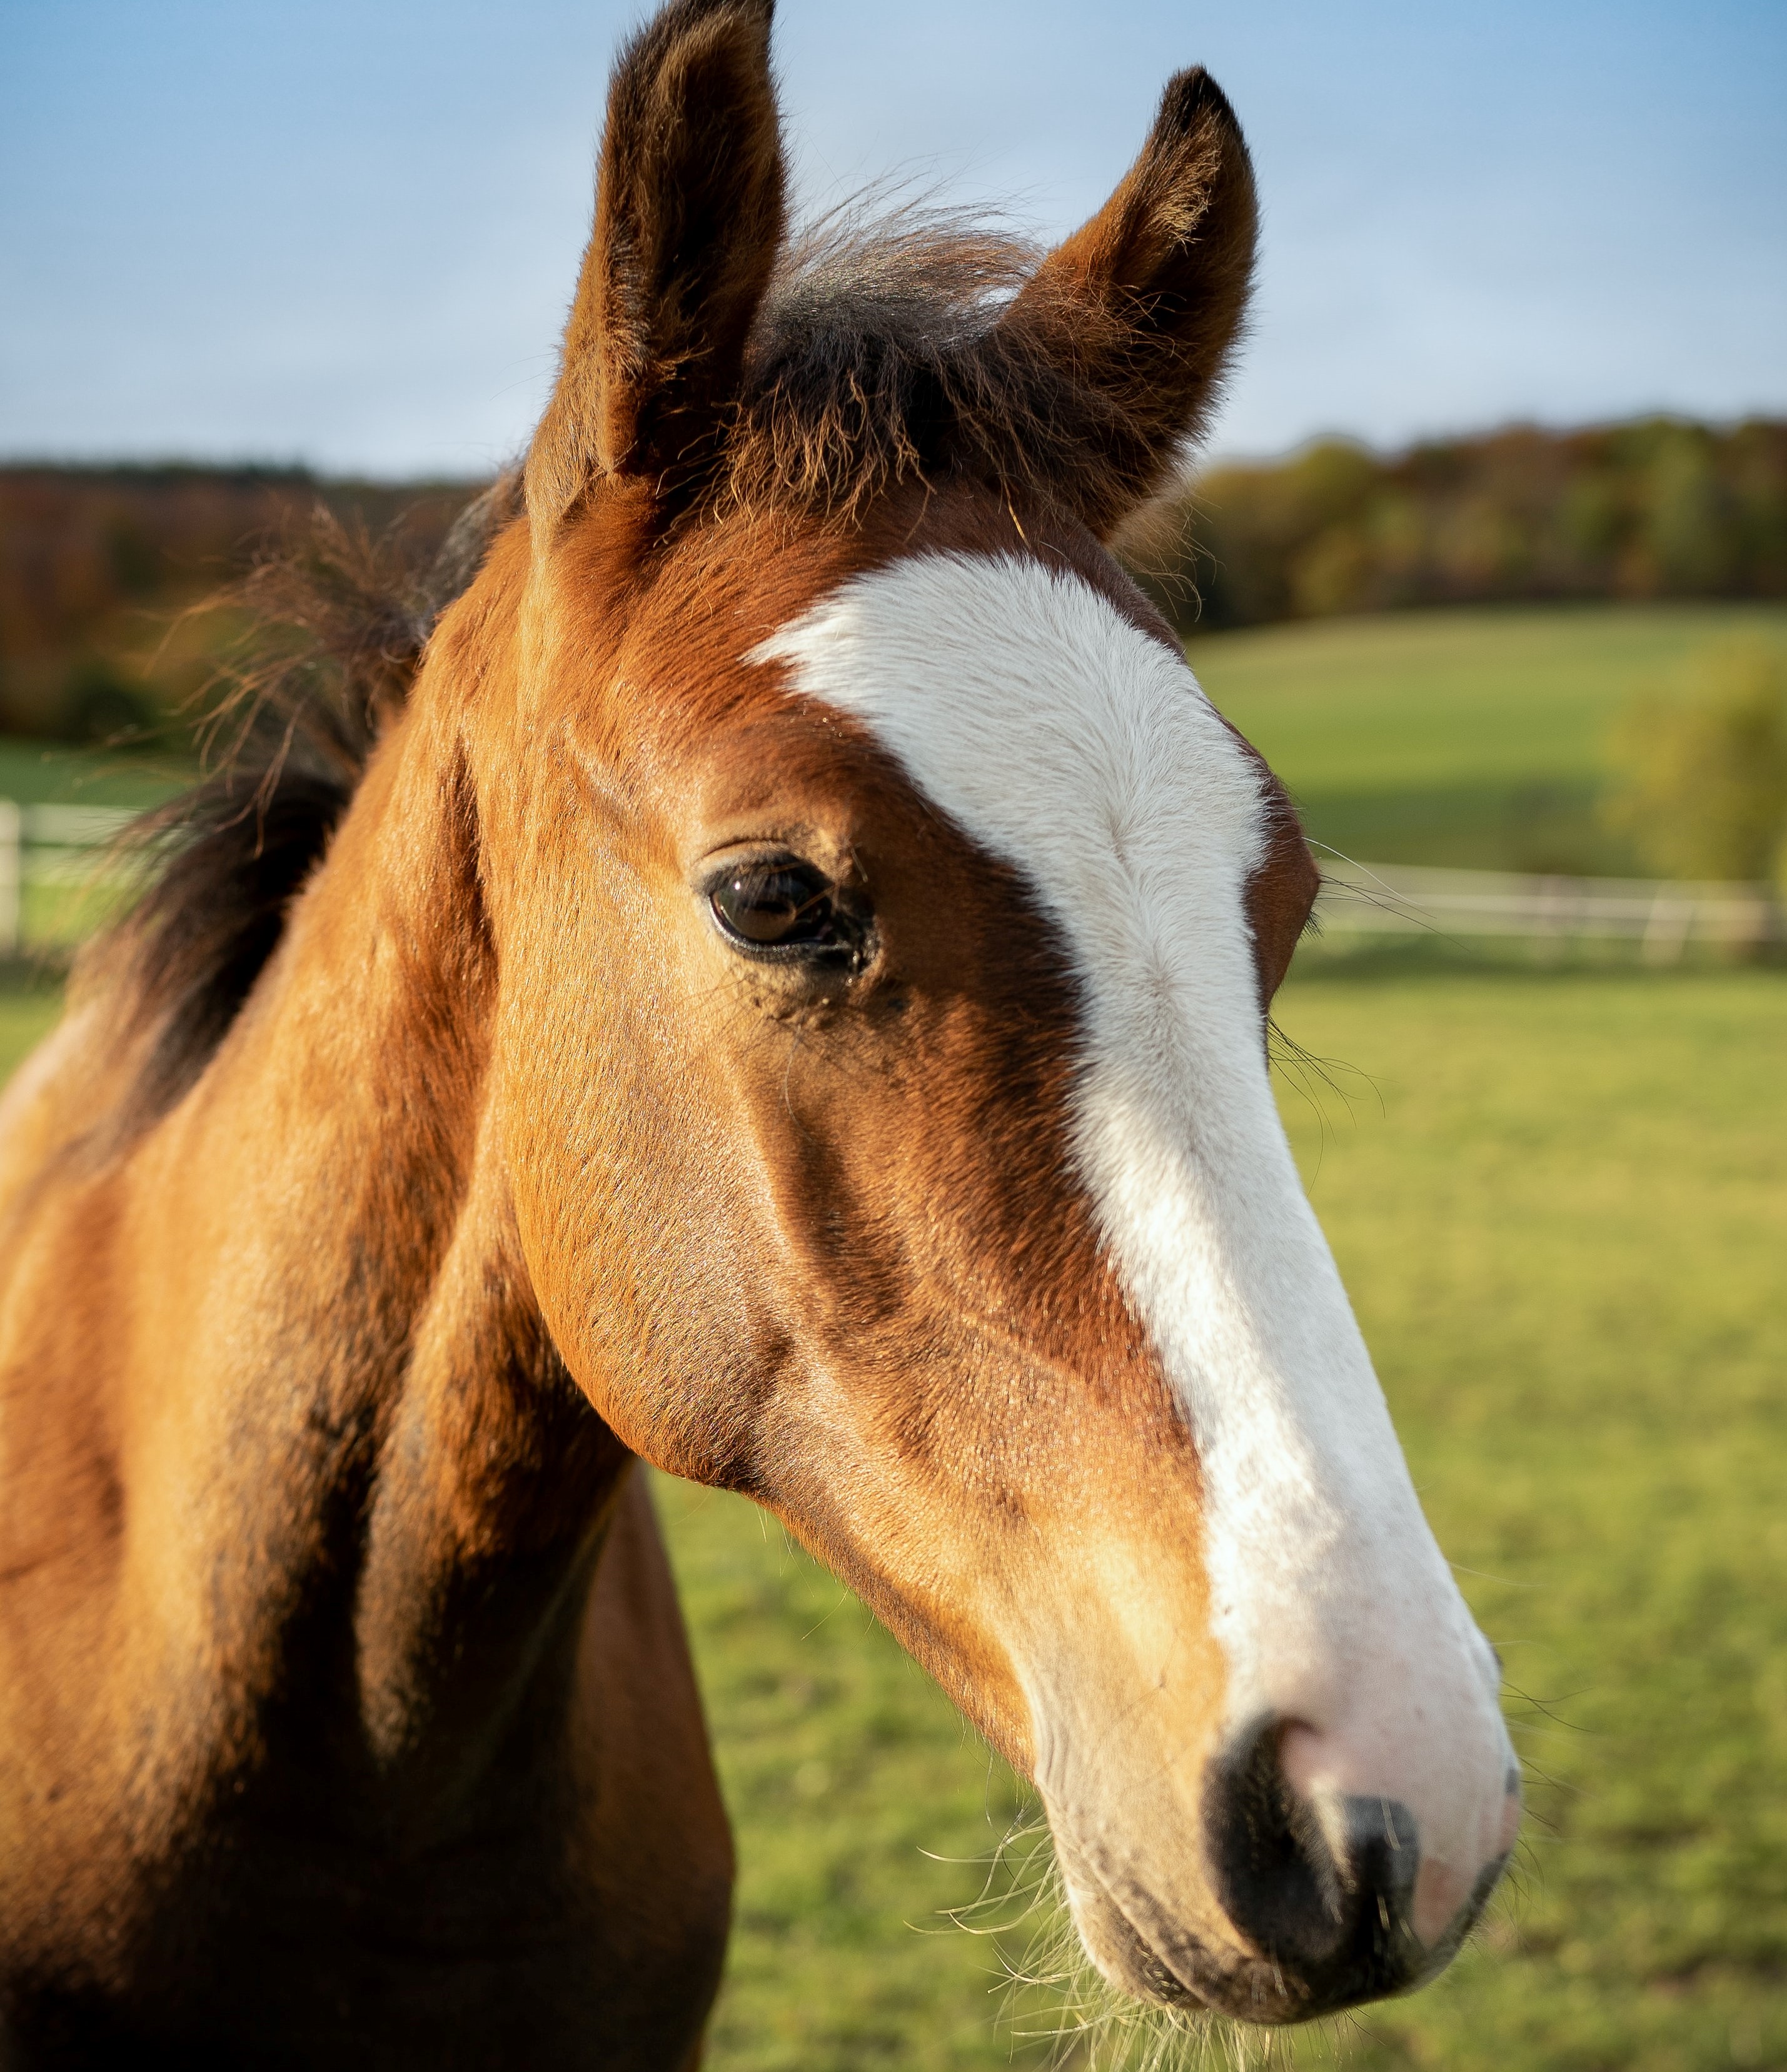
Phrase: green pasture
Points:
(1473, 738)
(1560, 1202)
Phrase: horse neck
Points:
(418, 1506)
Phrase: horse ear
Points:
(1142, 304)
(689, 221)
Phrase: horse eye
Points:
(779, 906)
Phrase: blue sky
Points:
(345, 231)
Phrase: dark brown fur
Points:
(689, 222)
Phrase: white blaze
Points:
(1072, 745)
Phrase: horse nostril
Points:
(1338, 1924)
(1275, 1875)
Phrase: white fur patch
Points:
(1071, 745)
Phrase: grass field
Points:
(1560, 1205)
(1467, 737)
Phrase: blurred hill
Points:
(1661, 508)
(97, 564)
(1482, 738)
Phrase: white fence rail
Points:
(54, 845)
(46, 845)
(1664, 920)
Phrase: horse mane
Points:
(338, 622)
(876, 360)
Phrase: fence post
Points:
(12, 875)
(1671, 924)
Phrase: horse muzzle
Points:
(1300, 1906)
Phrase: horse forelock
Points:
(876, 360)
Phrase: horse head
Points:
(886, 926)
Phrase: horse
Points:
(760, 965)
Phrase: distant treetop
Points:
(1661, 507)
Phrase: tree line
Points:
(1663, 508)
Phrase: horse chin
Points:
(1162, 1964)
(1122, 1956)
(1174, 1969)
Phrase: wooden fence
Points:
(43, 848)
(1663, 919)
